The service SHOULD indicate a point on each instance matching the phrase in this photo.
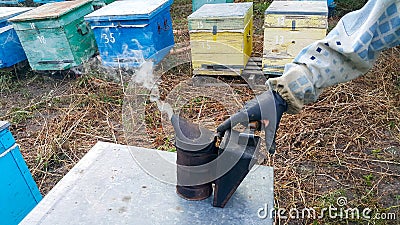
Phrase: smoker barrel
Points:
(195, 146)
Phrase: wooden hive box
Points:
(196, 4)
(290, 26)
(130, 32)
(55, 36)
(11, 51)
(19, 193)
(221, 37)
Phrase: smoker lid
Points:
(190, 136)
(51, 10)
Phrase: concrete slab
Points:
(108, 187)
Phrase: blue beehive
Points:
(129, 32)
(11, 51)
(19, 193)
(46, 1)
(331, 7)
(11, 2)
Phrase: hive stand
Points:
(252, 75)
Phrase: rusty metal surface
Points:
(185, 158)
(195, 193)
(242, 146)
(50, 10)
(195, 146)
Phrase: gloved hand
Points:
(268, 106)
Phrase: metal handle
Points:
(215, 30)
(56, 61)
(165, 26)
(215, 20)
(119, 25)
(249, 36)
(82, 28)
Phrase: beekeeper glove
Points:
(267, 107)
(346, 53)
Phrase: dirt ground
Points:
(345, 145)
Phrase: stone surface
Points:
(109, 187)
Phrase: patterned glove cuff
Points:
(295, 87)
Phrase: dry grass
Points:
(65, 118)
(347, 144)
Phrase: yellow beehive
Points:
(221, 37)
(290, 26)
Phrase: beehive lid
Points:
(298, 8)
(8, 12)
(50, 10)
(4, 125)
(113, 184)
(129, 10)
(225, 10)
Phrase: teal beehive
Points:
(19, 193)
(55, 36)
(196, 4)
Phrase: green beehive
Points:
(54, 36)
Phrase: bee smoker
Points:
(197, 147)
